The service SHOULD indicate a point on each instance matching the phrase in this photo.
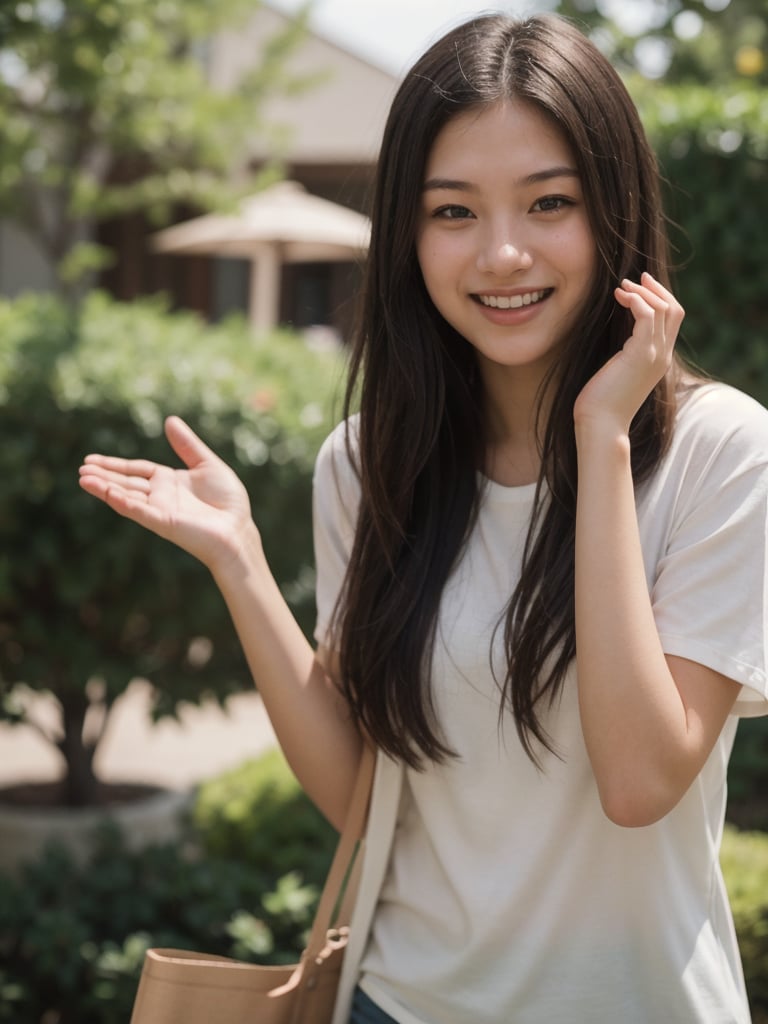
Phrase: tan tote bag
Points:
(181, 987)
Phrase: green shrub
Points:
(713, 149)
(87, 598)
(258, 814)
(748, 776)
(72, 939)
(744, 858)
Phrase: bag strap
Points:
(342, 868)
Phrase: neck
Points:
(512, 455)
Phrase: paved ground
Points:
(177, 754)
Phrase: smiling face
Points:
(505, 245)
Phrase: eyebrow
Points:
(451, 184)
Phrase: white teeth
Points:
(511, 301)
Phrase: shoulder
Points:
(336, 466)
(716, 422)
(340, 448)
(714, 412)
(718, 450)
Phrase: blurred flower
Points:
(264, 400)
(749, 61)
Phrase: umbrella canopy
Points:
(306, 227)
(282, 224)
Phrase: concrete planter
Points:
(154, 815)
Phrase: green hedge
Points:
(72, 939)
(105, 382)
(744, 858)
(748, 776)
(713, 149)
(86, 596)
(244, 882)
(258, 814)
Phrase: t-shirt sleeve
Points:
(710, 594)
(335, 499)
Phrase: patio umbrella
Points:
(282, 224)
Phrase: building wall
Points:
(337, 120)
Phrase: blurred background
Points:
(183, 199)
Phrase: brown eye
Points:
(551, 204)
(453, 212)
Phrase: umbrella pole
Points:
(264, 300)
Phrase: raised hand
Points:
(619, 388)
(203, 508)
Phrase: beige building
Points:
(332, 132)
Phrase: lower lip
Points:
(511, 317)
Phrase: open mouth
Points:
(513, 301)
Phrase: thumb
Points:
(185, 442)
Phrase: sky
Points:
(392, 33)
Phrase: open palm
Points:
(201, 508)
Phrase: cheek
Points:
(582, 248)
(432, 263)
(437, 283)
(574, 245)
(435, 293)
(441, 261)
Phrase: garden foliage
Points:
(713, 150)
(244, 883)
(106, 108)
(745, 865)
(89, 601)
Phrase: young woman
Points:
(541, 550)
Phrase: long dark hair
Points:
(421, 434)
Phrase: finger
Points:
(134, 483)
(129, 504)
(127, 467)
(652, 317)
(93, 484)
(636, 303)
(669, 313)
(657, 293)
(649, 281)
(185, 442)
(647, 294)
(676, 311)
(106, 489)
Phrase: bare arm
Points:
(649, 721)
(205, 510)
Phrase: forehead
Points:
(511, 133)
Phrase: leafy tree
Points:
(89, 601)
(707, 41)
(105, 109)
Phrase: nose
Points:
(504, 252)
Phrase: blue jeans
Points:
(365, 1011)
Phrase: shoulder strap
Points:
(341, 870)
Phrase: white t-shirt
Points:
(497, 894)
